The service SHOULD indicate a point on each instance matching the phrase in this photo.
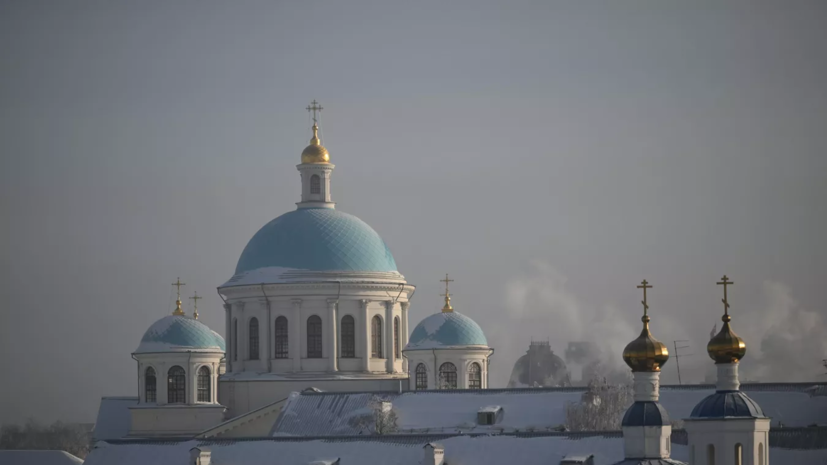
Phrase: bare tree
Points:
(381, 418)
(72, 438)
(600, 408)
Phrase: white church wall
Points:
(362, 302)
(191, 362)
(462, 358)
(241, 396)
(154, 421)
(723, 436)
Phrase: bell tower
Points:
(315, 168)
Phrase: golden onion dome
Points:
(645, 354)
(315, 152)
(726, 346)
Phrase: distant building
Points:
(539, 367)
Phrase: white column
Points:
(365, 332)
(191, 380)
(161, 383)
(403, 333)
(295, 337)
(228, 331)
(326, 184)
(214, 382)
(728, 377)
(333, 351)
(647, 386)
(389, 353)
(264, 335)
(238, 343)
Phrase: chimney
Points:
(433, 454)
(200, 456)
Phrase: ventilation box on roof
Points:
(433, 454)
(200, 456)
(490, 415)
(325, 462)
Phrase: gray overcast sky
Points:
(549, 155)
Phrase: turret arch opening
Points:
(376, 337)
(447, 376)
(348, 337)
(314, 337)
(150, 386)
(281, 338)
(176, 385)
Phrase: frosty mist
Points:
(784, 341)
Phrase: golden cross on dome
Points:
(446, 281)
(178, 285)
(725, 282)
(195, 298)
(644, 285)
(447, 307)
(313, 108)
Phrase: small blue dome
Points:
(446, 330)
(317, 239)
(724, 404)
(177, 333)
(645, 413)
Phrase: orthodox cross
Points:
(195, 298)
(313, 108)
(725, 282)
(446, 281)
(178, 285)
(644, 285)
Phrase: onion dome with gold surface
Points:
(645, 354)
(315, 152)
(726, 346)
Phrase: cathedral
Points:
(319, 367)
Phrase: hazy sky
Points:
(549, 155)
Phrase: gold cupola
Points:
(726, 346)
(315, 152)
(645, 354)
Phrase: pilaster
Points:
(264, 353)
(389, 352)
(365, 333)
(333, 352)
(403, 333)
(228, 331)
(295, 339)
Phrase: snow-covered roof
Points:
(526, 449)
(114, 418)
(539, 409)
(38, 457)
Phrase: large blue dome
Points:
(179, 333)
(317, 239)
(447, 329)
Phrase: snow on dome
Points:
(446, 329)
(316, 239)
(179, 333)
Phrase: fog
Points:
(550, 156)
